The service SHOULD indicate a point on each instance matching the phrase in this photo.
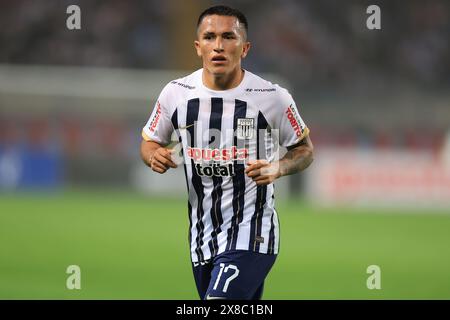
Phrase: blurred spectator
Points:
(309, 42)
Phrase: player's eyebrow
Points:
(224, 34)
(228, 34)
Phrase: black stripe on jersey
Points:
(174, 120)
(190, 222)
(193, 107)
(261, 191)
(271, 248)
(271, 243)
(215, 123)
(240, 111)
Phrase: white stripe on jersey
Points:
(243, 242)
(277, 232)
(255, 102)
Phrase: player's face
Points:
(221, 43)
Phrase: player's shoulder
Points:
(178, 89)
(259, 86)
(184, 84)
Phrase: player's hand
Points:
(161, 160)
(262, 171)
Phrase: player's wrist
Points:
(280, 172)
(273, 170)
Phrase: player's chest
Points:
(219, 113)
(217, 119)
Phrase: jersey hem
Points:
(231, 250)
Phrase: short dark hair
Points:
(224, 11)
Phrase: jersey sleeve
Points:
(159, 127)
(292, 127)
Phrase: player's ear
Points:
(197, 48)
(245, 49)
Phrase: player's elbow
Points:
(308, 156)
(309, 150)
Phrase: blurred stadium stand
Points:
(77, 100)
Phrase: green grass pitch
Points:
(135, 247)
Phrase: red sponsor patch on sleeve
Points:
(294, 120)
(156, 117)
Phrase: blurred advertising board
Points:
(25, 167)
(379, 178)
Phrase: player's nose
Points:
(218, 45)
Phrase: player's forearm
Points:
(147, 150)
(296, 160)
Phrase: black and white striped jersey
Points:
(218, 133)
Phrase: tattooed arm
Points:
(297, 159)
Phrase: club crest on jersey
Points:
(245, 128)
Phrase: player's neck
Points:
(223, 82)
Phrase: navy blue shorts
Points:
(236, 274)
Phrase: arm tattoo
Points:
(298, 158)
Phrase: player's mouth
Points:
(217, 60)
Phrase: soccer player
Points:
(229, 124)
